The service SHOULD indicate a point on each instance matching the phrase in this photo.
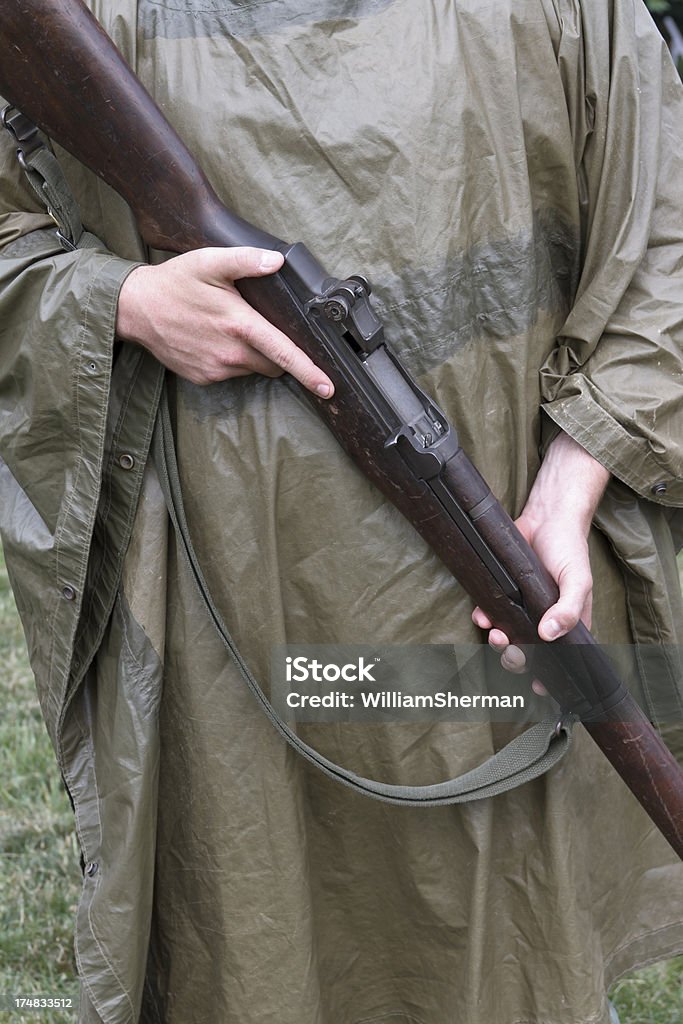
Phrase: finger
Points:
(538, 688)
(587, 612)
(513, 660)
(223, 267)
(256, 332)
(479, 618)
(239, 356)
(575, 589)
(265, 369)
(498, 640)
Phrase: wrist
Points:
(130, 307)
(568, 487)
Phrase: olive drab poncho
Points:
(510, 177)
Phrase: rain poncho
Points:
(510, 177)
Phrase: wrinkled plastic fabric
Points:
(507, 177)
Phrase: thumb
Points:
(218, 266)
(574, 603)
(247, 261)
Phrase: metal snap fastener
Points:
(69, 592)
(92, 868)
(658, 489)
(126, 461)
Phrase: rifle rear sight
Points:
(347, 302)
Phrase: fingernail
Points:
(270, 260)
(324, 390)
(552, 629)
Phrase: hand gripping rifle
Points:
(63, 72)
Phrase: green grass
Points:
(40, 875)
(39, 866)
(651, 996)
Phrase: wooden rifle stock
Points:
(62, 71)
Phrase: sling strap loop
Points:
(45, 177)
(524, 758)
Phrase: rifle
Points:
(67, 76)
